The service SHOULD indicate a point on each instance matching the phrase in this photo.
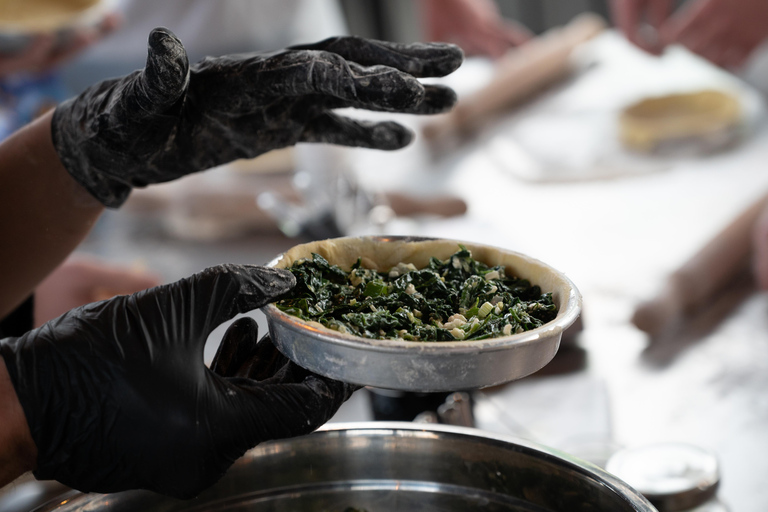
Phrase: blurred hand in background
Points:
(725, 32)
(475, 25)
(641, 20)
(80, 281)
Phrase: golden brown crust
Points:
(653, 121)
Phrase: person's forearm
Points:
(45, 213)
(17, 450)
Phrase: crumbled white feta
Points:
(400, 269)
(454, 321)
(355, 278)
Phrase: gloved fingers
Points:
(331, 128)
(416, 59)
(274, 411)
(237, 345)
(267, 361)
(242, 355)
(285, 371)
(245, 287)
(189, 309)
(437, 100)
(373, 88)
(239, 84)
(166, 75)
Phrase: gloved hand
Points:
(117, 396)
(168, 120)
(241, 354)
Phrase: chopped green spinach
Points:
(459, 298)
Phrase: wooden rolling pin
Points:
(520, 74)
(404, 205)
(694, 285)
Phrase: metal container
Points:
(380, 467)
(422, 366)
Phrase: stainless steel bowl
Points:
(381, 467)
(419, 366)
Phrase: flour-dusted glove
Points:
(117, 395)
(169, 120)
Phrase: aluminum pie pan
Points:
(422, 366)
(382, 467)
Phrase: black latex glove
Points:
(168, 120)
(242, 354)
(117, 396)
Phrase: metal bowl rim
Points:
(583, 467)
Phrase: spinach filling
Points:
(456, 299)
